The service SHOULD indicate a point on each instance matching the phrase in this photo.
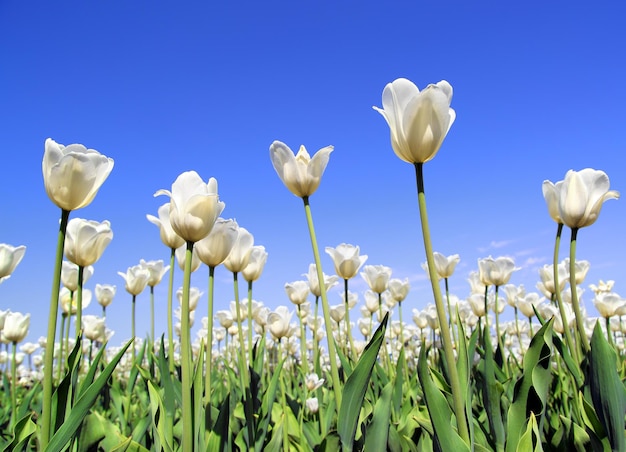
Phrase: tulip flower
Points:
(16, 327)
(444, 265)
(10, 256)
(297, 291)
(496, 272)
(157, 271)
(546, 274)
(86, 240)
(346, 259)
(577, 200)
(278, 322)
(181, 256)
(418, 120)
(256, 262)
(376, 277)
(69, 275)
(399, 289)
(239, 255)
(105, 294)
(314, 284)
(136, 279)
(194, 206)
(168, 236)
(194, 297)
(94, 328)
(215, 247)
(73, 174)
(300, 173)
(602, 286)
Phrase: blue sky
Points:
(165, 87)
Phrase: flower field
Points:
(449, 376)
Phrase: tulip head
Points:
(314, 284)
(73, 174)
(497, 271)
(136, 279)
(105, 294)
(346, 259)
(258, 257)
(399, 289)
(86, 240)
(239, 255)
(16, 326)
(418, 120)
(215, 247)
(194, 206)
(10, 256)
(157, 271)
(300, 173)
(577, 200)
(168, 236)
(376, 277)
(69, 275)
(297, 291)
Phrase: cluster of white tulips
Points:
(217, 391)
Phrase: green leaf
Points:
(355, 387)
(607, 390)
(440, 413)
(531, 389)
(22, 432)
(530, 440)
(377, 431)
(66, 432)
(266, 407)
(492, 394)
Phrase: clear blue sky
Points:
(164, 88)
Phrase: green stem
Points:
(132, 327)
(455, 385)
(152, 316)
(46, 416)
(170, 328)
(250, 328)
(209, 344)
(61, 347)
(185, 356)
(332, 352)
(13, 387)
(580, 325)
(347, 321)
(559, 299)
(243, 365)
(79, 303)
(452, 319)
(304, 360)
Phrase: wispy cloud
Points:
(495, 244)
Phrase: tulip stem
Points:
(209, 345)
(170, 329)
(455, 385)
(79, 302)
(347, 321)
(332, 352)
(152, 316)
(14, 386)
(185, 355)
(580, 325)
(557, 293)
(46, 416)
(132, 330)
(250, 328)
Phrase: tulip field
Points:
(453, 375)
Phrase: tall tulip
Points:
(251, 272)
(105, 294)
(347, 259)
(15, 330)
(418, 123)
(85, 242)
(10, 256)
(300, 173)
(576, 202)
(418, 120)
(194, 206)
(72, 177)
(136, 279)
(213, 250)
(173, 241)
(157, 270)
